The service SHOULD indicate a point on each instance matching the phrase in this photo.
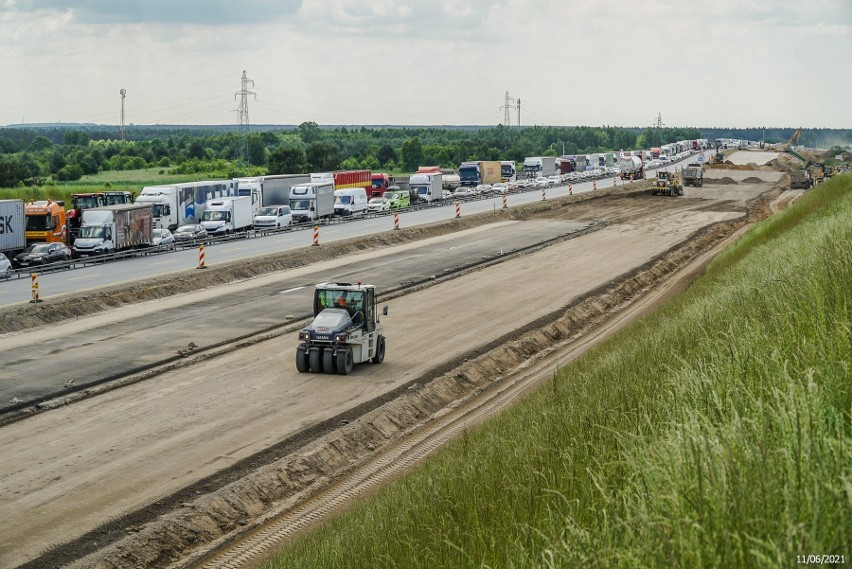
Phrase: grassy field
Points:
(716, 432)
(128, 180)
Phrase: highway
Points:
(18, 290)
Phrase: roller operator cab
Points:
(345, 331)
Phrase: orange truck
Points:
(46, 222)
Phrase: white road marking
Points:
(291, 290)
(164, 262)
(229, 250)
(84, 277)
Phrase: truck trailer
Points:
(632, 168)
(181, 204)
(114, 228)
(13, 237)
(538, 166)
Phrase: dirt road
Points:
(67, 472)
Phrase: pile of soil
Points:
(722, 181)
(753, 180)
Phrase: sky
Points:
(720, 63)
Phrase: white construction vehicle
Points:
(345, 330)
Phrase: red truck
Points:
(380, 184)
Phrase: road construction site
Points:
(184, 426)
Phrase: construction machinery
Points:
(693, 175)
(345, 331)
(667, 184)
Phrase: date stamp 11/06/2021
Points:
(821, 560)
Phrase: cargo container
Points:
(348, 179)
(13, 237)
(114, 228)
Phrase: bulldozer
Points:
(667, 184)
(345, 330)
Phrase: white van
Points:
(351, 201)
(273, 217)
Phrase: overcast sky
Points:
(591, 62)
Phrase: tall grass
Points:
(716, 432)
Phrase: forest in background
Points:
(36, 155)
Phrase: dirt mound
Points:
(753, 180)
(727, 180)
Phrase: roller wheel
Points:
(316, 360)
(344, 361)
(302, 363)
(328, 361)
(380, 351)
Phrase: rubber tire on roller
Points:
(328, 364)
(302, 364)
(344, 361)
(380, 351)
(315, 358)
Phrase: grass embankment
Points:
(717, 432)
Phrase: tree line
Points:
(45, 154)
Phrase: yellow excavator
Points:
(794, 138)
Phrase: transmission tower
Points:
(519, 113)
(243, 94)
(507, 110)
(121, 131)
(659, 123)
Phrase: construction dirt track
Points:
(152, 469)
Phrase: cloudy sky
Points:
(570, 62)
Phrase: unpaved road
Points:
(745, 157)
(67, 471)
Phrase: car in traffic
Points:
(541, 182)
(42, 254)
(190, 232)
(463, 192)
(483, 189)
(500, 188)
(5, 266)
(554, 180)
(162, 238)
(398, 198)
(446, 195)
(378, 204)
(273, 217)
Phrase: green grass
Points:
(716, 432)
(126, 180)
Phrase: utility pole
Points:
(243, 94)
(121, 131)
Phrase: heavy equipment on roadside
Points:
(667, 184)
(693, 174)
(345, 331)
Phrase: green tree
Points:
(386, 153)
(257, 151)
(69, 173)
(287, 160)
(40, 143)
(323, 156)
(411, 153)
(310, 132)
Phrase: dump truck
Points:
(667, 184)
(345, 330)
(693, 175)
(800, 179)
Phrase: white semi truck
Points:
(180, 204)
(271, 190)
